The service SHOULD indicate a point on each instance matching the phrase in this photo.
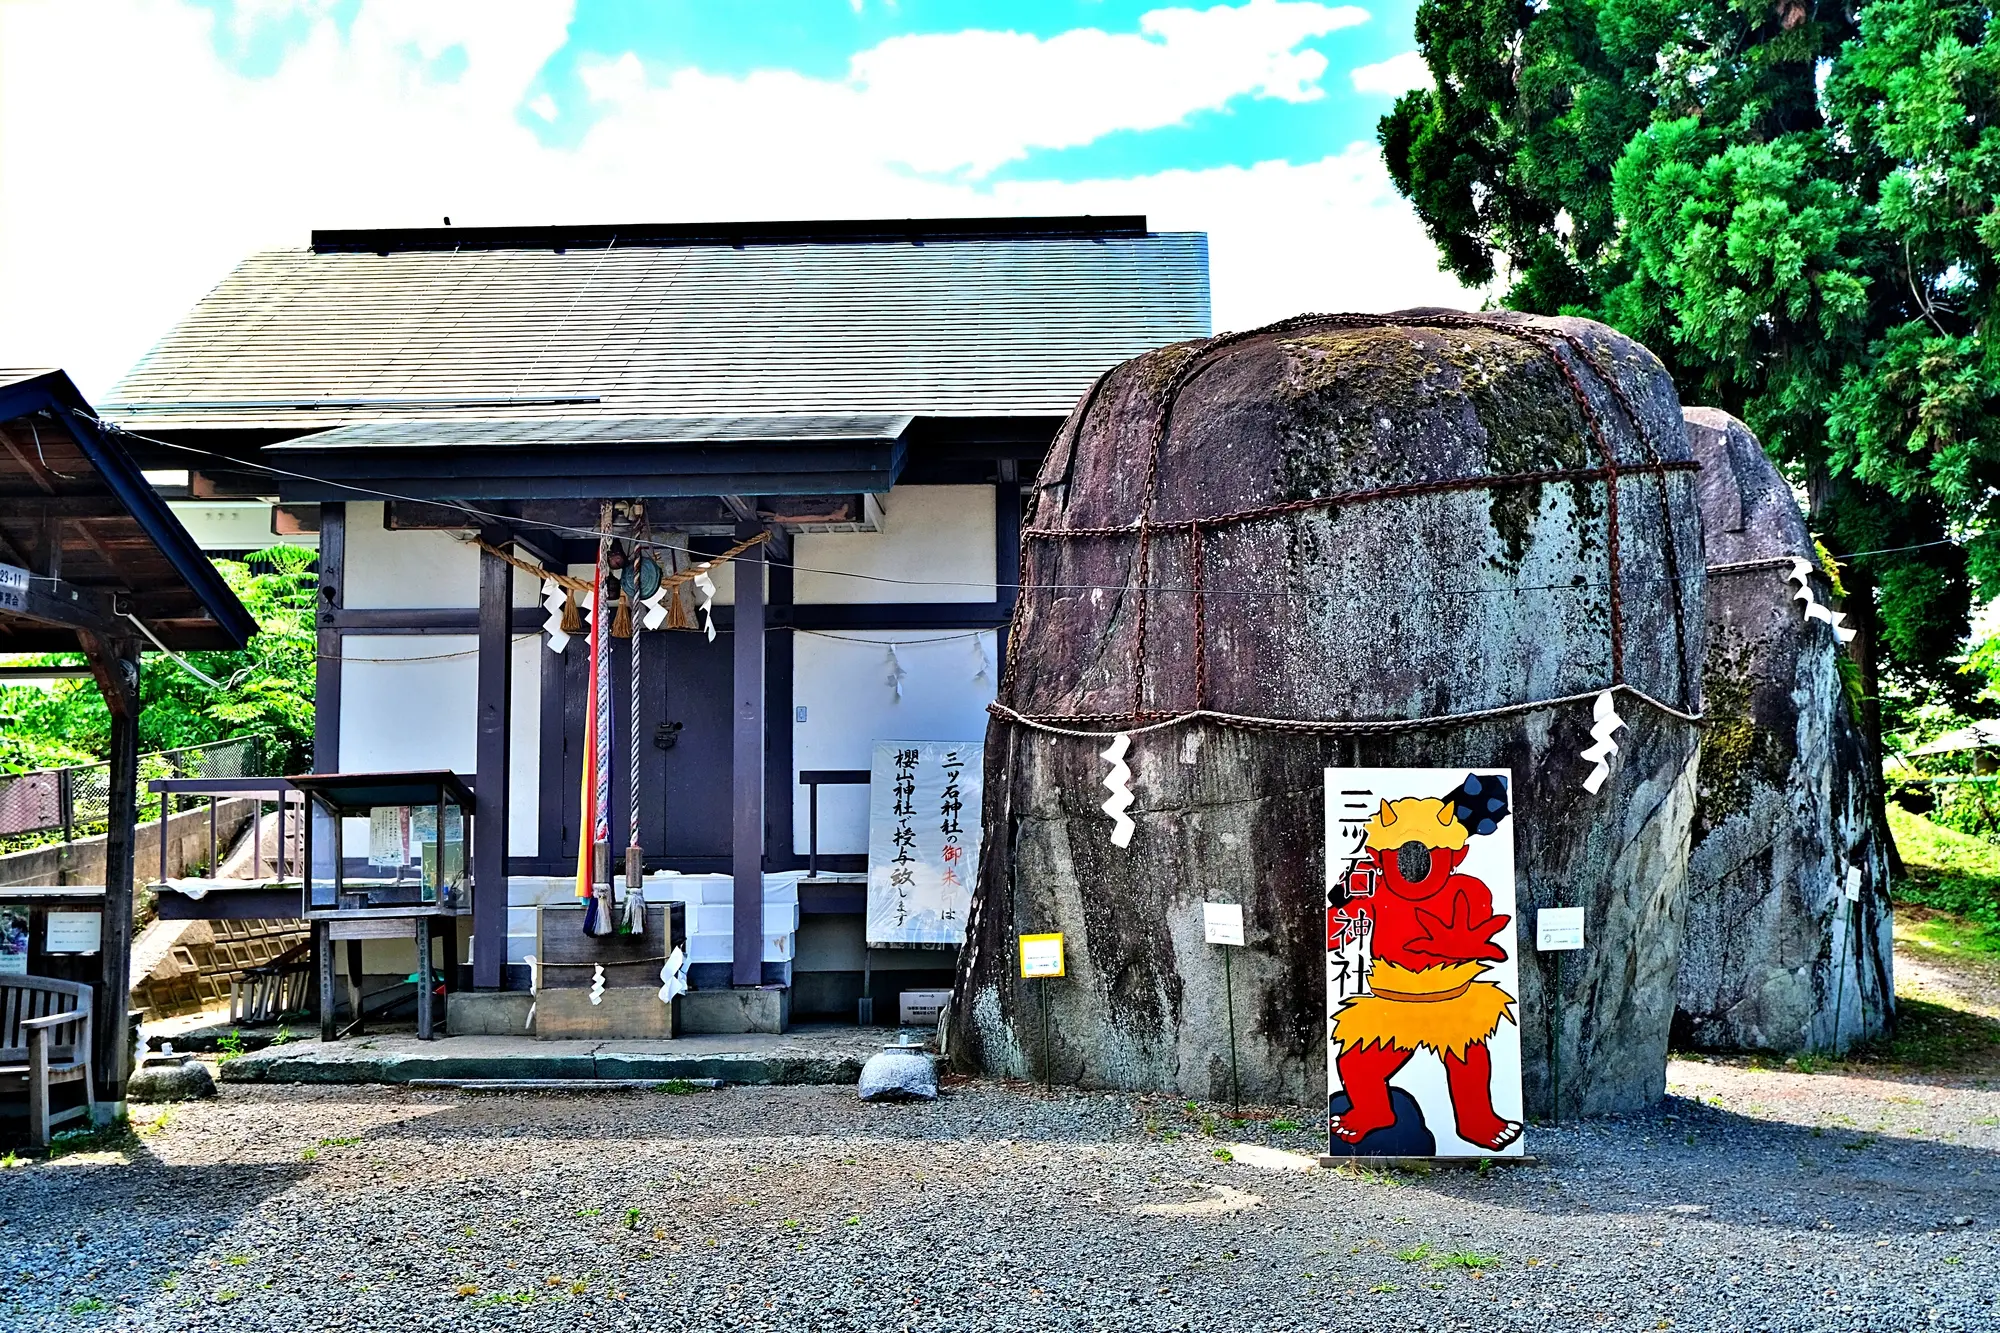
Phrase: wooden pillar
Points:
(326, 682)
(747, 768)
(780, 790)
(494, 749)
(115, 663)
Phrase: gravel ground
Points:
(1749, 1200)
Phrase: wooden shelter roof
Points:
(101, 546)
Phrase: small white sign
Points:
(1558, 928)
(1854, 884)
(75, 932)
(13, 588)
(920, 1008)
(1222, 923)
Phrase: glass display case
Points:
(386, 842)
(387, 855)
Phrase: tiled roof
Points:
(983, 324)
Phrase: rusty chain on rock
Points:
(1610, 470)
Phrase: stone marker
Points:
(899, 1073)
(1441, 599)
(1783, 812)
(169, 1078)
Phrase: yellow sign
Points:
(1041, 955)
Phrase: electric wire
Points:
(595, 534)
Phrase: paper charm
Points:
(656, 608)
(553, 598)
(896, 673)
(1119, 783)
(673, 976)
(705, 585)
(985, 654)
(534, 986)
(597, 983)
(1802, 575)
(1605, 721)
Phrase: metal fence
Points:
(74, 801)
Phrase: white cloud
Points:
(1394, 76)
(176, 166)
(971, 101)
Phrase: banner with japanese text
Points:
(923, 840)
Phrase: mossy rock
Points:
(1432, 601)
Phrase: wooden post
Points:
(747, 768)
(355, 1000)
(495, 745)
(426, 1020)
(322, 938)
(115, 663)
(326, 682)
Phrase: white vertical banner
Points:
(923, 840)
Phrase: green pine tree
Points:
(1797, 206)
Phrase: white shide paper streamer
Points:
(1606, 721)
(705, 585)
(553, 598)
(1119, 783)
(1802, 575)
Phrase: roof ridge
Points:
(850, 231)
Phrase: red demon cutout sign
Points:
(1423, 1042)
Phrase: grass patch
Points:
(1471, 1260)
(1952, 872)
(88, 1305)
(1933, 1037)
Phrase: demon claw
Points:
(1355, 1133)
(1508, 1132)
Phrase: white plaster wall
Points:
(842, 683)
(409, 701)
(936, 545)
(234, 525)
(398, 570)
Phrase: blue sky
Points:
(234, 125)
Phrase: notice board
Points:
(923, 840)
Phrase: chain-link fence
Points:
(63, 804)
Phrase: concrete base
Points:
(819, 1055)
(488, 1013)
(746, 1009)
(627, 1012)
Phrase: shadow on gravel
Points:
(1690, 1161)
(80, 1221)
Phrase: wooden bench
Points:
(44, 1040)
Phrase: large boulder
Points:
(1776, 956)
(1454, 594)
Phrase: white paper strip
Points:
(1119, 783)
(1802, 576)
(534, 987)
(597, 984)
(656, 609)
(896, 672)
(705, 585)
(1602, 746)
(673, 976)
(553, 598)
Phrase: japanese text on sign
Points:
(923, 840)
(13, 588)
